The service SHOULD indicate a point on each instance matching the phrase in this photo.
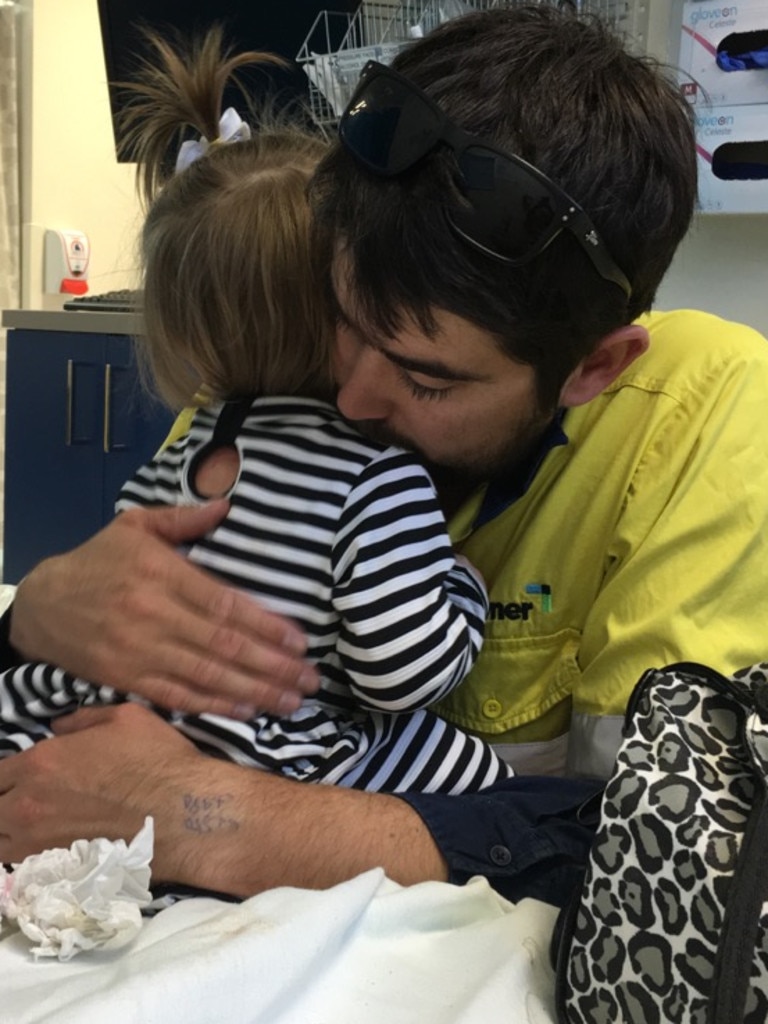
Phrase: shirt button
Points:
(500, 855)
(492, 708)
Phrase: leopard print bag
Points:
(670, 925)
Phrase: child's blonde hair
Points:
(233, 295)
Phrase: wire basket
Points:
(338, 45)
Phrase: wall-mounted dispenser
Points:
(67, 254)
(724, 75)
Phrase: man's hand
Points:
(217, 825)
(127, 610)
(100, 777)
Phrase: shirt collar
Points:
(502, 492)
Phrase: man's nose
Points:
(364, 387)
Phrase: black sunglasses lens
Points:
(387, 126)
(513, 211)
(512, 214)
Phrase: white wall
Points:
(722, 266)
(70, 176)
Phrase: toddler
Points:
(341, 534)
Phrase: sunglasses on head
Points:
(514, 210)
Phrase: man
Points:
(495, 240)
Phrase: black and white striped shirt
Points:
(345, 537)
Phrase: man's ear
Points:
(611, 356)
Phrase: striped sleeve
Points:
(159, 482)
(156, 483)
(33, 694)
(412, 615)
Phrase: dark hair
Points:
(563, 92)
(233, 295)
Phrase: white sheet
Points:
(365, 951)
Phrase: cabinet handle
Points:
(107, 405)
(70, 398)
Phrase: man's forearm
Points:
(218, 825)
(240, 831)
(237, 830)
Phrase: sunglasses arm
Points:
(579, 224)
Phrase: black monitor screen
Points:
(272, 25)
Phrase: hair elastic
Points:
(232, 128)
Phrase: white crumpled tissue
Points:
(87, 897)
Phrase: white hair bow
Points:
(232, 128)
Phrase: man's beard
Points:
(461, 473)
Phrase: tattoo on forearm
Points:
(205, 814)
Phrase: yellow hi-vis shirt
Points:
(642, 542)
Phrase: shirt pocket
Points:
(516, 684)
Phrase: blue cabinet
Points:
(77, 426)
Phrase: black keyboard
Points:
(123, 300)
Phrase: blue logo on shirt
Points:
(544, 592)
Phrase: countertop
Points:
(76, 321)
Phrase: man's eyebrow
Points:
(428, 367)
